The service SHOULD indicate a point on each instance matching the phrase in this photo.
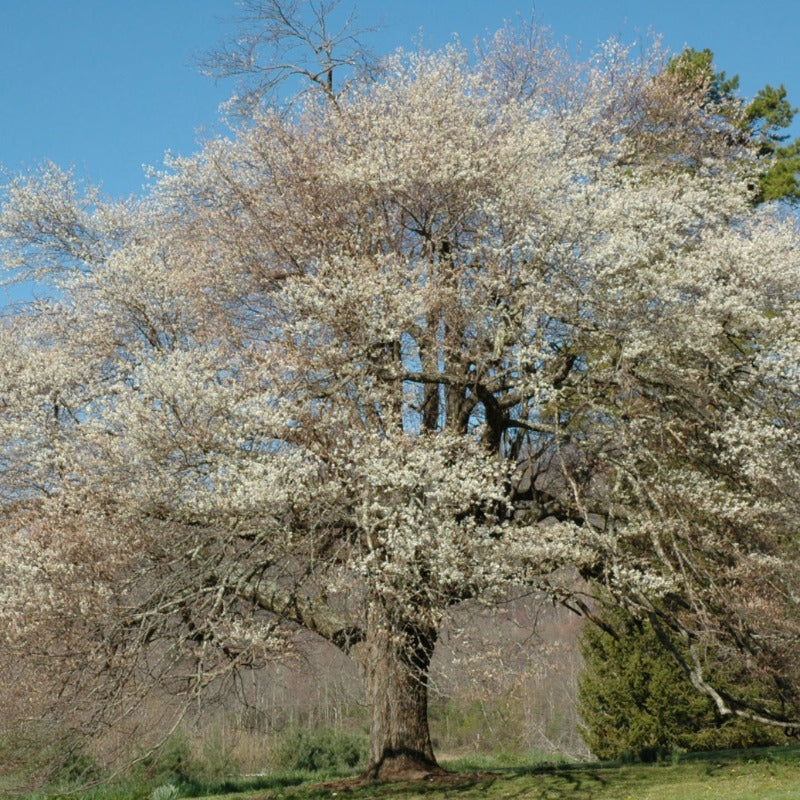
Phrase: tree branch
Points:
(306, 612)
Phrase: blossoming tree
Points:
(470, 326)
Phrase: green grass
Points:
(767, 774)
(770, 774)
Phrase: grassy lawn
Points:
(772, 774)
(768, 774)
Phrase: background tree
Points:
(276, 42)
(354, 366)
(761, 122)
(636, 702)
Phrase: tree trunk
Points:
(395, 665)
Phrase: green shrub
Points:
(167, 791)
(172, 763)
(319, 749)
(76, 765)
(39, 755)
(637, 704)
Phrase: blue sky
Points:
(107, 86)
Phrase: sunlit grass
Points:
(767, 774)
(770, 774)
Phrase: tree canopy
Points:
(473, 325)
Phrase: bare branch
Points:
(285, 39)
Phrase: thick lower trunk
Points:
(395, 665)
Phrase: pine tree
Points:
(762, 122)
(636, 702)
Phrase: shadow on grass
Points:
(256, 783)
(714, 758)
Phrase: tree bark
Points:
(395, 664)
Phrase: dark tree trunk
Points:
(396, 658)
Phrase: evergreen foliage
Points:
(762, 122)
(636, 703)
